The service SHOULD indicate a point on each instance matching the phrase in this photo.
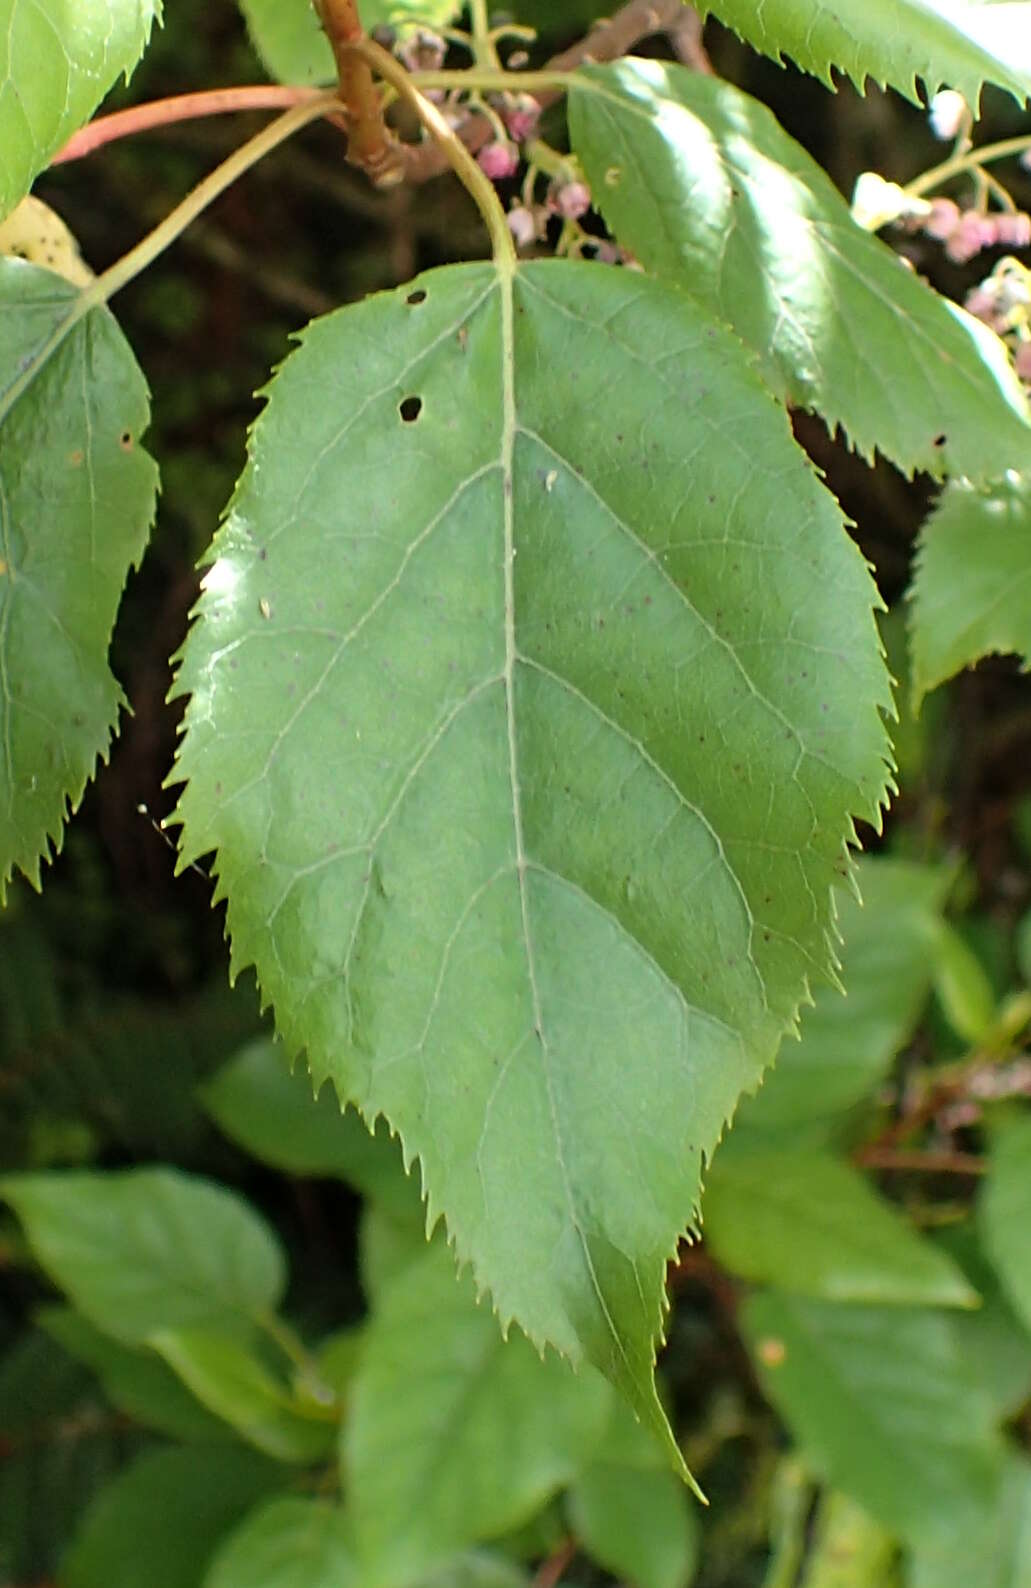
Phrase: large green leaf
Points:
(805, 1222)
(58, 58)
(149, 1249)
(1004, 1210)
(971, 591)
(76, 501)
(232, 1382)
(960, 43)
(292, 47)
(157, 1524)
(533, 686)
(881, 1402)
(712, 194)
(288, 1543)
(484, 1432)
(848, 1044)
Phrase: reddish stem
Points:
(369, 143)
(182, 107)
(925, 1162)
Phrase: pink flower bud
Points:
(572, 200)
(499, 160)
(943, 219)
(522, 225)
(973, 233)
(521, 117)
(423, 51)
(983, 302)
(1014, 231)
(1022, 360)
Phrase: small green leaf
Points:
(805, 1222)
(157, 1524)
(710, 193)
(962, 986)
(57, 61)
(484, 1432)
(229, 1379)
(288, 1543)
(292, 47)
(271, 1112)
(1004, 1211)
(971, 593)
(149, 1249)
(494, 886)
(627, 1510)
(848, 1044)
(896, 42)
(76, 501)
(848, 1548)
(880, 1400)
(136, 1381)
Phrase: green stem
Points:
(959, 163)
(137, 259)
(288, 1342)
(475, 181)
(484, 50)
(499, 81)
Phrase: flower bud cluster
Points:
(966, 232)
(1003, 302)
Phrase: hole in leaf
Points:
(410, 409)
(125, 441)
(418, 296)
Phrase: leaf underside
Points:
(534, 685)
(77, 497)
(959, 43)
(56, 64)
(708, 190)
(971, 593)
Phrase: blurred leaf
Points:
(386, 1246)
(630, 1513)
(963, 988)
(234, 1384)
(971, 594)
(803, 1221)
(60, 1444)
(288, 1544)
(1004, 1211)
(149, 1249)
(996, 1348)
(157, 1524)
(57, 61)
(710, 193)
(849, 1044)
(137, 1382)
(269, 1110)
(882, 1404)
(484, 1432)
(849, 1549)
(994, 1554)
(78, 499)
(292, 47)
